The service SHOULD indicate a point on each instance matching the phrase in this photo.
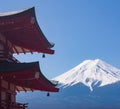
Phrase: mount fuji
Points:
(93, 84)
(91, 73)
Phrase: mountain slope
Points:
(91, 73)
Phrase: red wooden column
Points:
(0, 95)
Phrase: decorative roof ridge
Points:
(3, 14)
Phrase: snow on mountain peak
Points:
(91, 73)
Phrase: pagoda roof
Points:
(25, 76)
(22, 30)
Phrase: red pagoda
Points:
(20, 33)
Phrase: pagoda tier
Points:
(21, 30)
(25, 76)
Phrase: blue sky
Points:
(80, 29)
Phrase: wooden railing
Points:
(13, 105)
(7, 56)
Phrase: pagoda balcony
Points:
(13, 105)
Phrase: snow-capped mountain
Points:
(91, 73)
